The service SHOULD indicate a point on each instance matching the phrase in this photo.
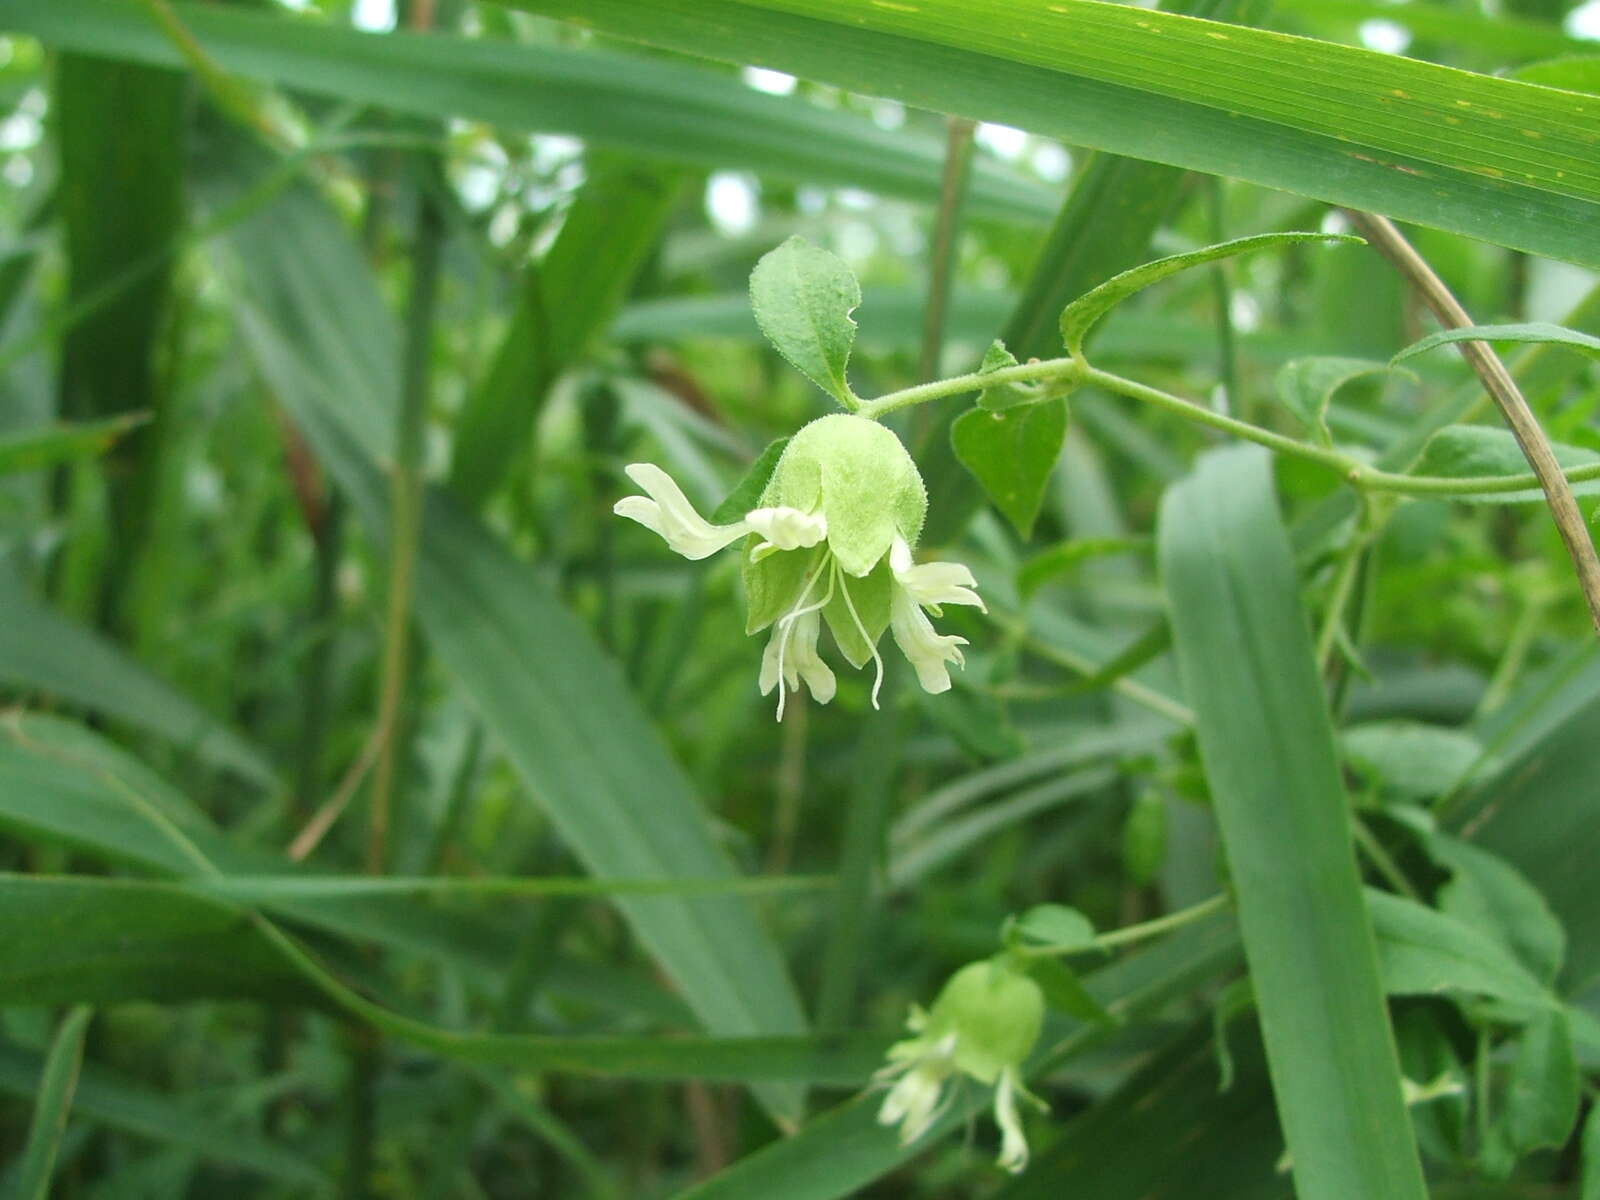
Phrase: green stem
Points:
(406, 516)
(1202, 415)
(1054, 370)
(1073, 372)
(1136, 933)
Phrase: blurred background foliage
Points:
(292, 306)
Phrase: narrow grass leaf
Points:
(1249, 671)
(31, 449)
(42, 651)
(119, 1104)
(559, 707)
(52, 1102)
(566, 298)
(662, 111)
(1509, 163)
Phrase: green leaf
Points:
(1575, 73)
(98, 941)
(803, 296)
(1056, 926)
(106, 940)
(1426, 953)
(1065, 992)
(559, 708)
(1080, 316)
(1012, 454)
(1591, 1155)
(1168, 1132)
(1355, 127)
(916, 857)
(1411, 759)
(1306, 387)
(566, 298)
(32, 449)
(1144, 838)
(746, 494)
(43, 651)
(1531, 331)
(1250, 672)
(52, 1102)
(1503, 34)
(130, 1108)
(1483, 452)
(1542, 1093)
(651, 107)
(1059, 559)
(1490, 895)
(841, 1151)
(1540, 809)
(1001, 396)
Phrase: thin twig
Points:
(317, 828)
(405, 519)
(1497, 381)
(941, 270)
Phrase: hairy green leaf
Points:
(1012, 453)
(803, 297)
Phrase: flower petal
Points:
(669, 513)
(935, 583)
(926, 649)
(1013, 1144)
(785, 529)
(803, 647)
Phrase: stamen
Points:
(861, 628)
(786, 622)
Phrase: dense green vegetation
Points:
(1140, 744)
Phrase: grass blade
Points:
(52, 1103)
(659, 110)
(41, 650)
(1248, 666)
(559, 708)
(1506, 162)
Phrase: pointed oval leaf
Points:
(1012, 453)
(803, 297)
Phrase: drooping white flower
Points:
(983, 1025)
(668, 512)
(830, 544)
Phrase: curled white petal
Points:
(785, 529)
(819, 679)
(927, 650)
(1013, 1145)
(668, 512)
(913, 1102)
(935, 583)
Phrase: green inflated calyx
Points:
(856, 474)
(995, 1012)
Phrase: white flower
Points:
(926, 587)
(669, 513)
(982, 1026)
(829, 545)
